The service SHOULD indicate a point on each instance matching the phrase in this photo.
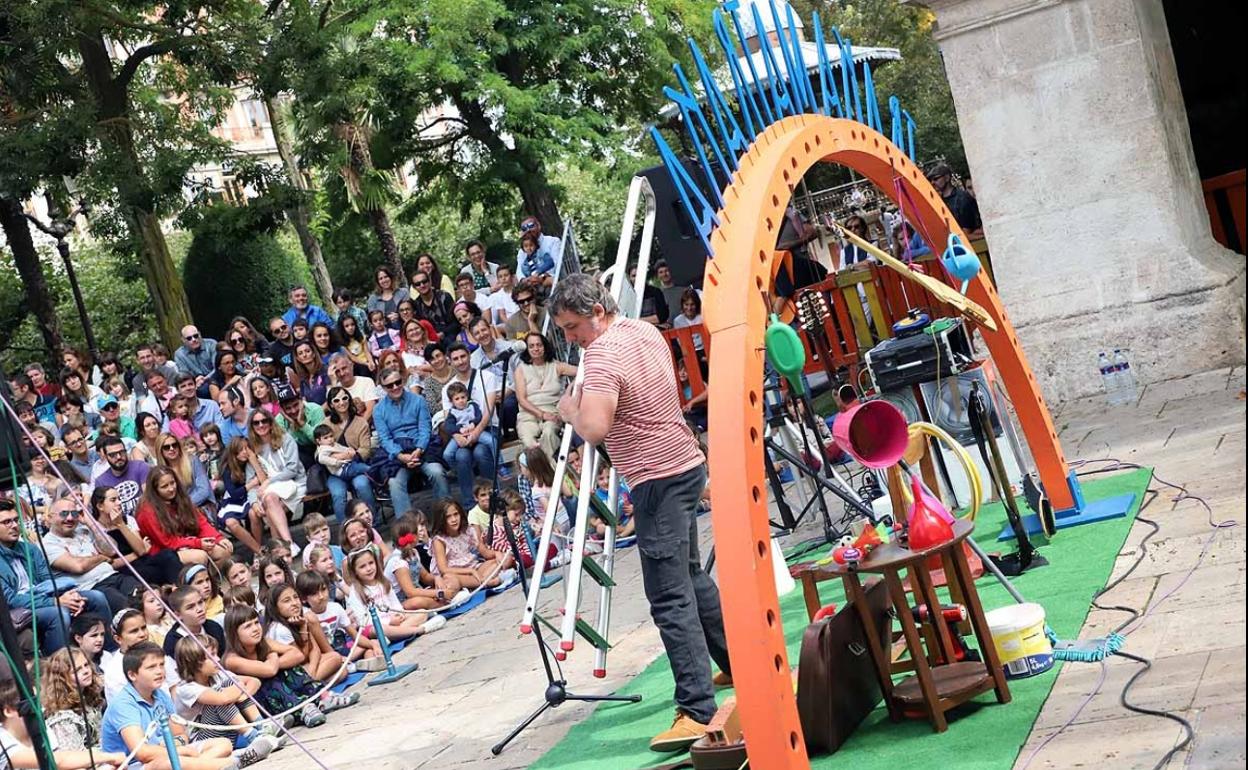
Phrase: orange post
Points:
(735, 314)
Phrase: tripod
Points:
(556, 693)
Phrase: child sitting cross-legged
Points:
(273, 572)
(197, 576)
(479, 516)
(368, 588)
(129, 720)
(458, 550)
(363, 653)
(358, 509)
(159, 619)
(418, 588)
(284, 683)
(15, 744)
(206, 695)
(513, 505)
(286, 621)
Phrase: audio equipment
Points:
(675, 234)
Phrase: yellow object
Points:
(1018, 635)
(942, 291)
(964, 457)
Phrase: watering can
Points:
(961, 262)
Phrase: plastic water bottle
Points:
(1109, 377)
(1128, 389)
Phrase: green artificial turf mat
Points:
(982, 733)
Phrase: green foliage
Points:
(236, 266)
(119, 307)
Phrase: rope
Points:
(151, 728)
(276, 718)
(76, 495)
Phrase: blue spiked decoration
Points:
(1087, 650)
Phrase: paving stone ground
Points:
(478, 676)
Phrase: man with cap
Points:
(109, 409)
(299, 418)
(961, 204)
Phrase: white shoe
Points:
(294, 549)
(255, 751)
(506, 577)
(434, 623)
(459, 598)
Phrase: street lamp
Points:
(59, 228)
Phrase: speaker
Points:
(11, 443)
(674, 231)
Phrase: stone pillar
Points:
(1077, 140)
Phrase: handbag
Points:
(21, 618)
(836, 681)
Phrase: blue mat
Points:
(350, 681)
(476, 600)
(496, 590)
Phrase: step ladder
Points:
(599, 570)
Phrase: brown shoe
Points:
(722, 681)
(684, 732)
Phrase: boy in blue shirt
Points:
(141, 703)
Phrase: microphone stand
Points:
(556, 693)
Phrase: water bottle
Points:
(1109, 377)
(1127, 387)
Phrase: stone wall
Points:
(1076, 136)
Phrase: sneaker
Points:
(722, 681)
(311, 716)
(332, 701)
(371, 664)
(274, 731)
(434, 623)
(506, 577)
(294, 550)
(255, 751)
(684, 732)
(459, 598)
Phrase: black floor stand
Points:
(556, 693)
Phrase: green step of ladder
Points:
(588, 633)
(595, 571)
(600, 507)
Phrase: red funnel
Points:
(873, 432)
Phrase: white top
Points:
(681, 321)
(80, 545)
(384, 598)
(502, 307)
(115, 679)
(278, 632)
(363, 389)
(484, 385)
(393, 562)
(333, 619)
(186, 698)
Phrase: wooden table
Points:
(939, 682)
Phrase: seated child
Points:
(130, 629)
(316, 528)
(364, 654)
(189, 605)
(284, 683)
(624, 510)
(15, 744)
(207, 696)
(236, 573)
(338, 459)
(360, 510)
(286, 621)
(404, 564)
(159, 620)
(87, 632)
(213, 456)
(479, 516)
(72, 696)
(138, 704)
(273, 572)
(277, 550)
(196, 576)
(243, 595)
(367, 587)
(322, 563)
(514, 505)
(459, 552)
(240, 513)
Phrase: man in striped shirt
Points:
(628, 400)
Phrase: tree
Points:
(537, 81)
(149, 79)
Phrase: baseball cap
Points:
(105, 401)
(284, 391)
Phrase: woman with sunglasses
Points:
(170, 521)
(243, 348)
(191, 472)
(352, 431)
(241, 325)
(387, 296)
(274, 458)
(225, 372)
(426, 264)
(852, 253)
(393, 359)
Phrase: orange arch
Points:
(735, 314)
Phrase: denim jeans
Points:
(354, 477)
(684, 601)
(434, 473)
(463, 458)
(53, 622)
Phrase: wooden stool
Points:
(939, 682)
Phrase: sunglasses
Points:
(70, 514)
(191, 337)
(339, 399)
(392, 385)
(279, 329)
(527, 226)
(524, 301)
(261, 421)
(422, 283)
(106, 407)
(167, 447)
(235, 340)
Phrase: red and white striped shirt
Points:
(649, 439)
